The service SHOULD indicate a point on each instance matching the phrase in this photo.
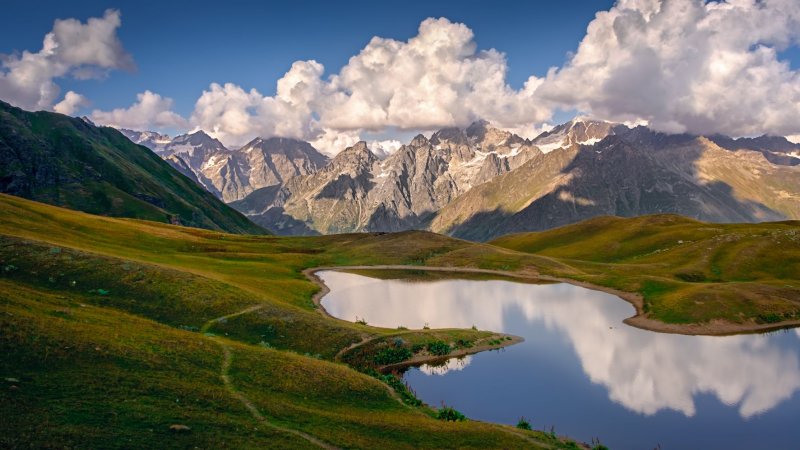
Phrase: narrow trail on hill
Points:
(251, 407)
(227, 360)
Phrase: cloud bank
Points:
(677, 65)
(687, 66)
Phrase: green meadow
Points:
(115, 330)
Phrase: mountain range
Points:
(482, 182)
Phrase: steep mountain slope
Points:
(777, 149)
(68, 162)
(631, 173)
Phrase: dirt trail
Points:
(227, 360)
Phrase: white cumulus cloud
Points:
(72, 48)
(71, 102)
(687, 66)
(435, 79)
(235, 116)
(149, 111)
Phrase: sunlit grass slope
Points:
(108, 336)
(687, 271)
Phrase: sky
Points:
(336, 72)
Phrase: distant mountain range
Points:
(69, 162)
(482, 182)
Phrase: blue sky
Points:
(181, 47)
(677, 65)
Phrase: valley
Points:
(168, 292)
(400, 225)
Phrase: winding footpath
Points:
(227, 360)
(311, 275)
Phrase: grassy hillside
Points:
(112, 330)
(67, 162)
(686, 271)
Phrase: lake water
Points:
(584, 372)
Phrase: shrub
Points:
(439, 348)
(464, 343)
(401, 388)
(523, 424)
(416, 348)
(691, 276)
(450, 414)
(769, 318)
(361, 321)
(392, 355)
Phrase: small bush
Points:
(691, 276)
(416, 348)
(523, 424)
(401, 388)
(361, 321)
(392, 355)
(449, 414)
(438, 348)
(769, 318)
(426, 326)
(464, 343)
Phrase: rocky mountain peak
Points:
(357, 156)
(419, 141)
(198, 139)
(577, 131)
(477, 130)
(290, 148)
(452, 135)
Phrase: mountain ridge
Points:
(69, 162)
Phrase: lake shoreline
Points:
(311, 274)
(639, 320)
(459, 353)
